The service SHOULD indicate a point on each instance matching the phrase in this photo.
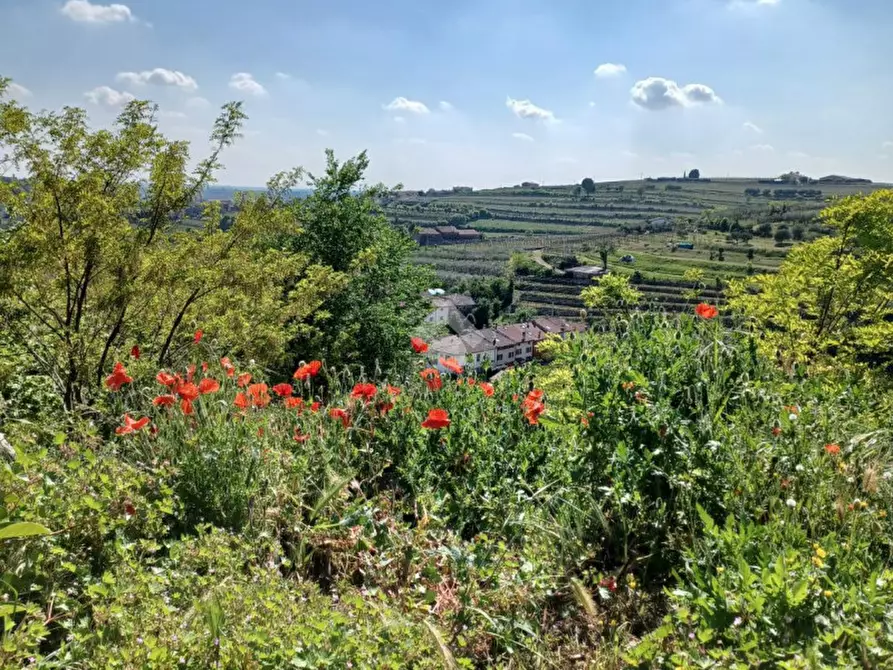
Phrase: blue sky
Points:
(483, 92)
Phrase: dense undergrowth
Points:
(660, 495)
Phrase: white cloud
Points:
(197, 102)
(657, 93)
(762, 147)
(745, 4)
(159, 77)
(524, 109)
(523, 137)
(244, 82)
(17, 91)
(798, 154)
(109, 97)
(284, 76)
(446, 106)
(610, 70)
(85, 12)
(402, 104)
(750, 125)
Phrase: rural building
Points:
(448, 233)
(427, 237)
(526, 337)
(450, 310)
(586, 273)
(503, 347)
(469, 235)
(552, 325)
(449, 347)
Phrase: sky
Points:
(482, 93)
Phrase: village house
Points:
(586, 273)
(526, 337)
(451, 310)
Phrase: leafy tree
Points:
(92, 263)
(694, 276)
(588, 185)
(831, 297)
(613, 291)
(782, 235)
(694, 174)
(605, 249)
(763, 230)
(369, 320)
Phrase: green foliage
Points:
(830, 299)
(612, 292)
(367, 321)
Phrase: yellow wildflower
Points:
(827, 593)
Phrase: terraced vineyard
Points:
(735, 227)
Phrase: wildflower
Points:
(204, 367)
(227, 365)
(451, 364)
(164, 400)
(129, 509)
(259, 395)
(283, 390)
(827, 593)
(841, 466)
(533, 406)
(514, 397)
(832, 449)
(584, 422)
(792, 409)
(308, 370)
(292, 403)
(628, 386)
(241, 400)
(165, 379)
(432, 379)
(437, 419)
(631, 582)
(487, 388)
(882, 514)
(470, 381)
(737, 621)
(131, 426)
(419, 345)
(135, 352)
(208, 385)
(384, 407)
(186, 407)
(188, 391)
(243, 379)
(393, 391)
(198, 336)
(609, 583)
(190, 372)
(300, 438)
(314, 407)
(364, 392)
(706, 311)
(338, 413)
(790, 502)
(776, 431)
(118, 378)
(818, 562)
(863, 505)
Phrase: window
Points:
(511, 354)
(499, 357)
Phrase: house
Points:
(449, 233)
(448, 347)
(473, 351)
(427, 237)
(553, 325)
(526, 337)
(660, 225)
(504, 348)
(586, 273)
(451, 310)
(469, 235)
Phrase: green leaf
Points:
(22, 529)
(801, 589)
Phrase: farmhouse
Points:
(428, 237)
(552, 325)
(586, 273)
(526, 337)
(450, 310)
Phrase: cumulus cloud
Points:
(86, 12)
(657, 93)
(244, 82)
(609, 70)
(283, 76)
(109, 97)
(402, 104)
(524, 137)
(524, 109)
(159, 77)
(17, 91)
(446, 106)
(750, 125)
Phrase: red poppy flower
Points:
(186, 406)
(628, 386)
(227, 365)
(393, 391)
(293, 403)
(452, 365)
(432, 379)
(584, 421)
(487, 388)
(165, 378)
(314, 407)
(384, 407)
(437, 419)
(832, 449)
(164, 400)
(259, 395)
(241, 400)
(118, 378)
(338, 413)
(776, 431)
(198, 336)
(129, 509)
(188, 391)
(536, 395)
(609, 583)
(204, 366)
(243, 380)
(364, 392)
(190, 372)
(283, 390)
(131, 426)
(706, 311)
(135, 352)
(419, 345)
(208, 385)
(299, 438)
(308, 370)
(532, 412)
(470, 381)
(792, 409)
